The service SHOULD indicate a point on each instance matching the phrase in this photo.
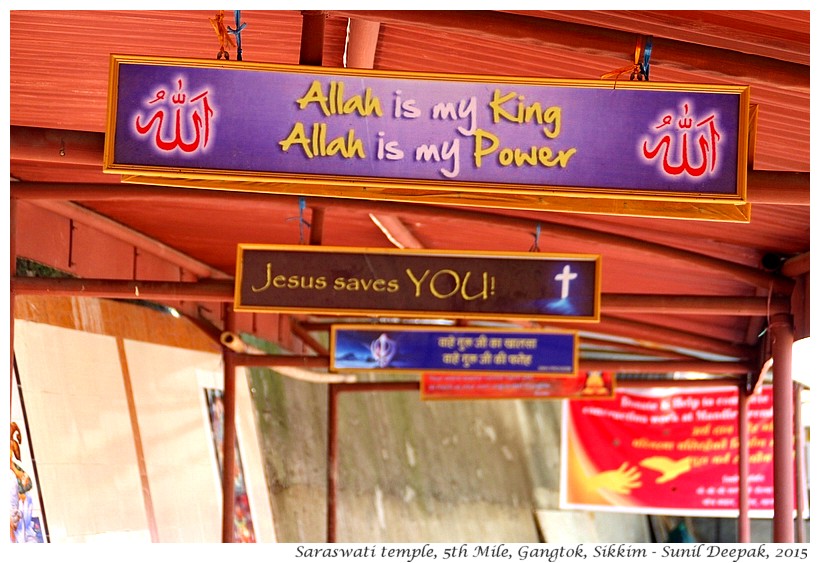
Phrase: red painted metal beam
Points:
(223, 291)
(203, 290)
(55, 145)
(763, 186)
(313, 37)
(274, 360)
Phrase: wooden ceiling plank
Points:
(733, 66)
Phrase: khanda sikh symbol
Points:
(383, 349)
(680, 143)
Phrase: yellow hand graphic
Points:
(669, 468)
(621, 480)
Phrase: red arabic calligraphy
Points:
(196, 112)
(689, 138)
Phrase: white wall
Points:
(89, 477)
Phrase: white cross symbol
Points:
(565, 277)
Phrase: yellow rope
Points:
(221, 30)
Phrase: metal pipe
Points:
(743, 523)
(762, 186)
(223, 291)
(229, 434)
(203, 290)
(797, 265)
(233, 342)
(393, 386)
(272, 361)
(369, 386)
(626, 366)
(332, 459)
(782, 340)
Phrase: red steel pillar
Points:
(743, 525)
(229, 434)
(332, 458)
(782, 331)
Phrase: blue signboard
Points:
(251, 122)
(452, 349)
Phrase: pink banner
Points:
(666, 451)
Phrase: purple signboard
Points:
(417, 283)
(452, 349)
(257, 122)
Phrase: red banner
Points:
(593, 384)
(666, 451)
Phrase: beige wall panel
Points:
(168, 386)
(179, 458)
(80, 430)
(252, 460)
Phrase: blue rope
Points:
(237, 14)
(647, 52)
(301, 218)
(534, 247)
